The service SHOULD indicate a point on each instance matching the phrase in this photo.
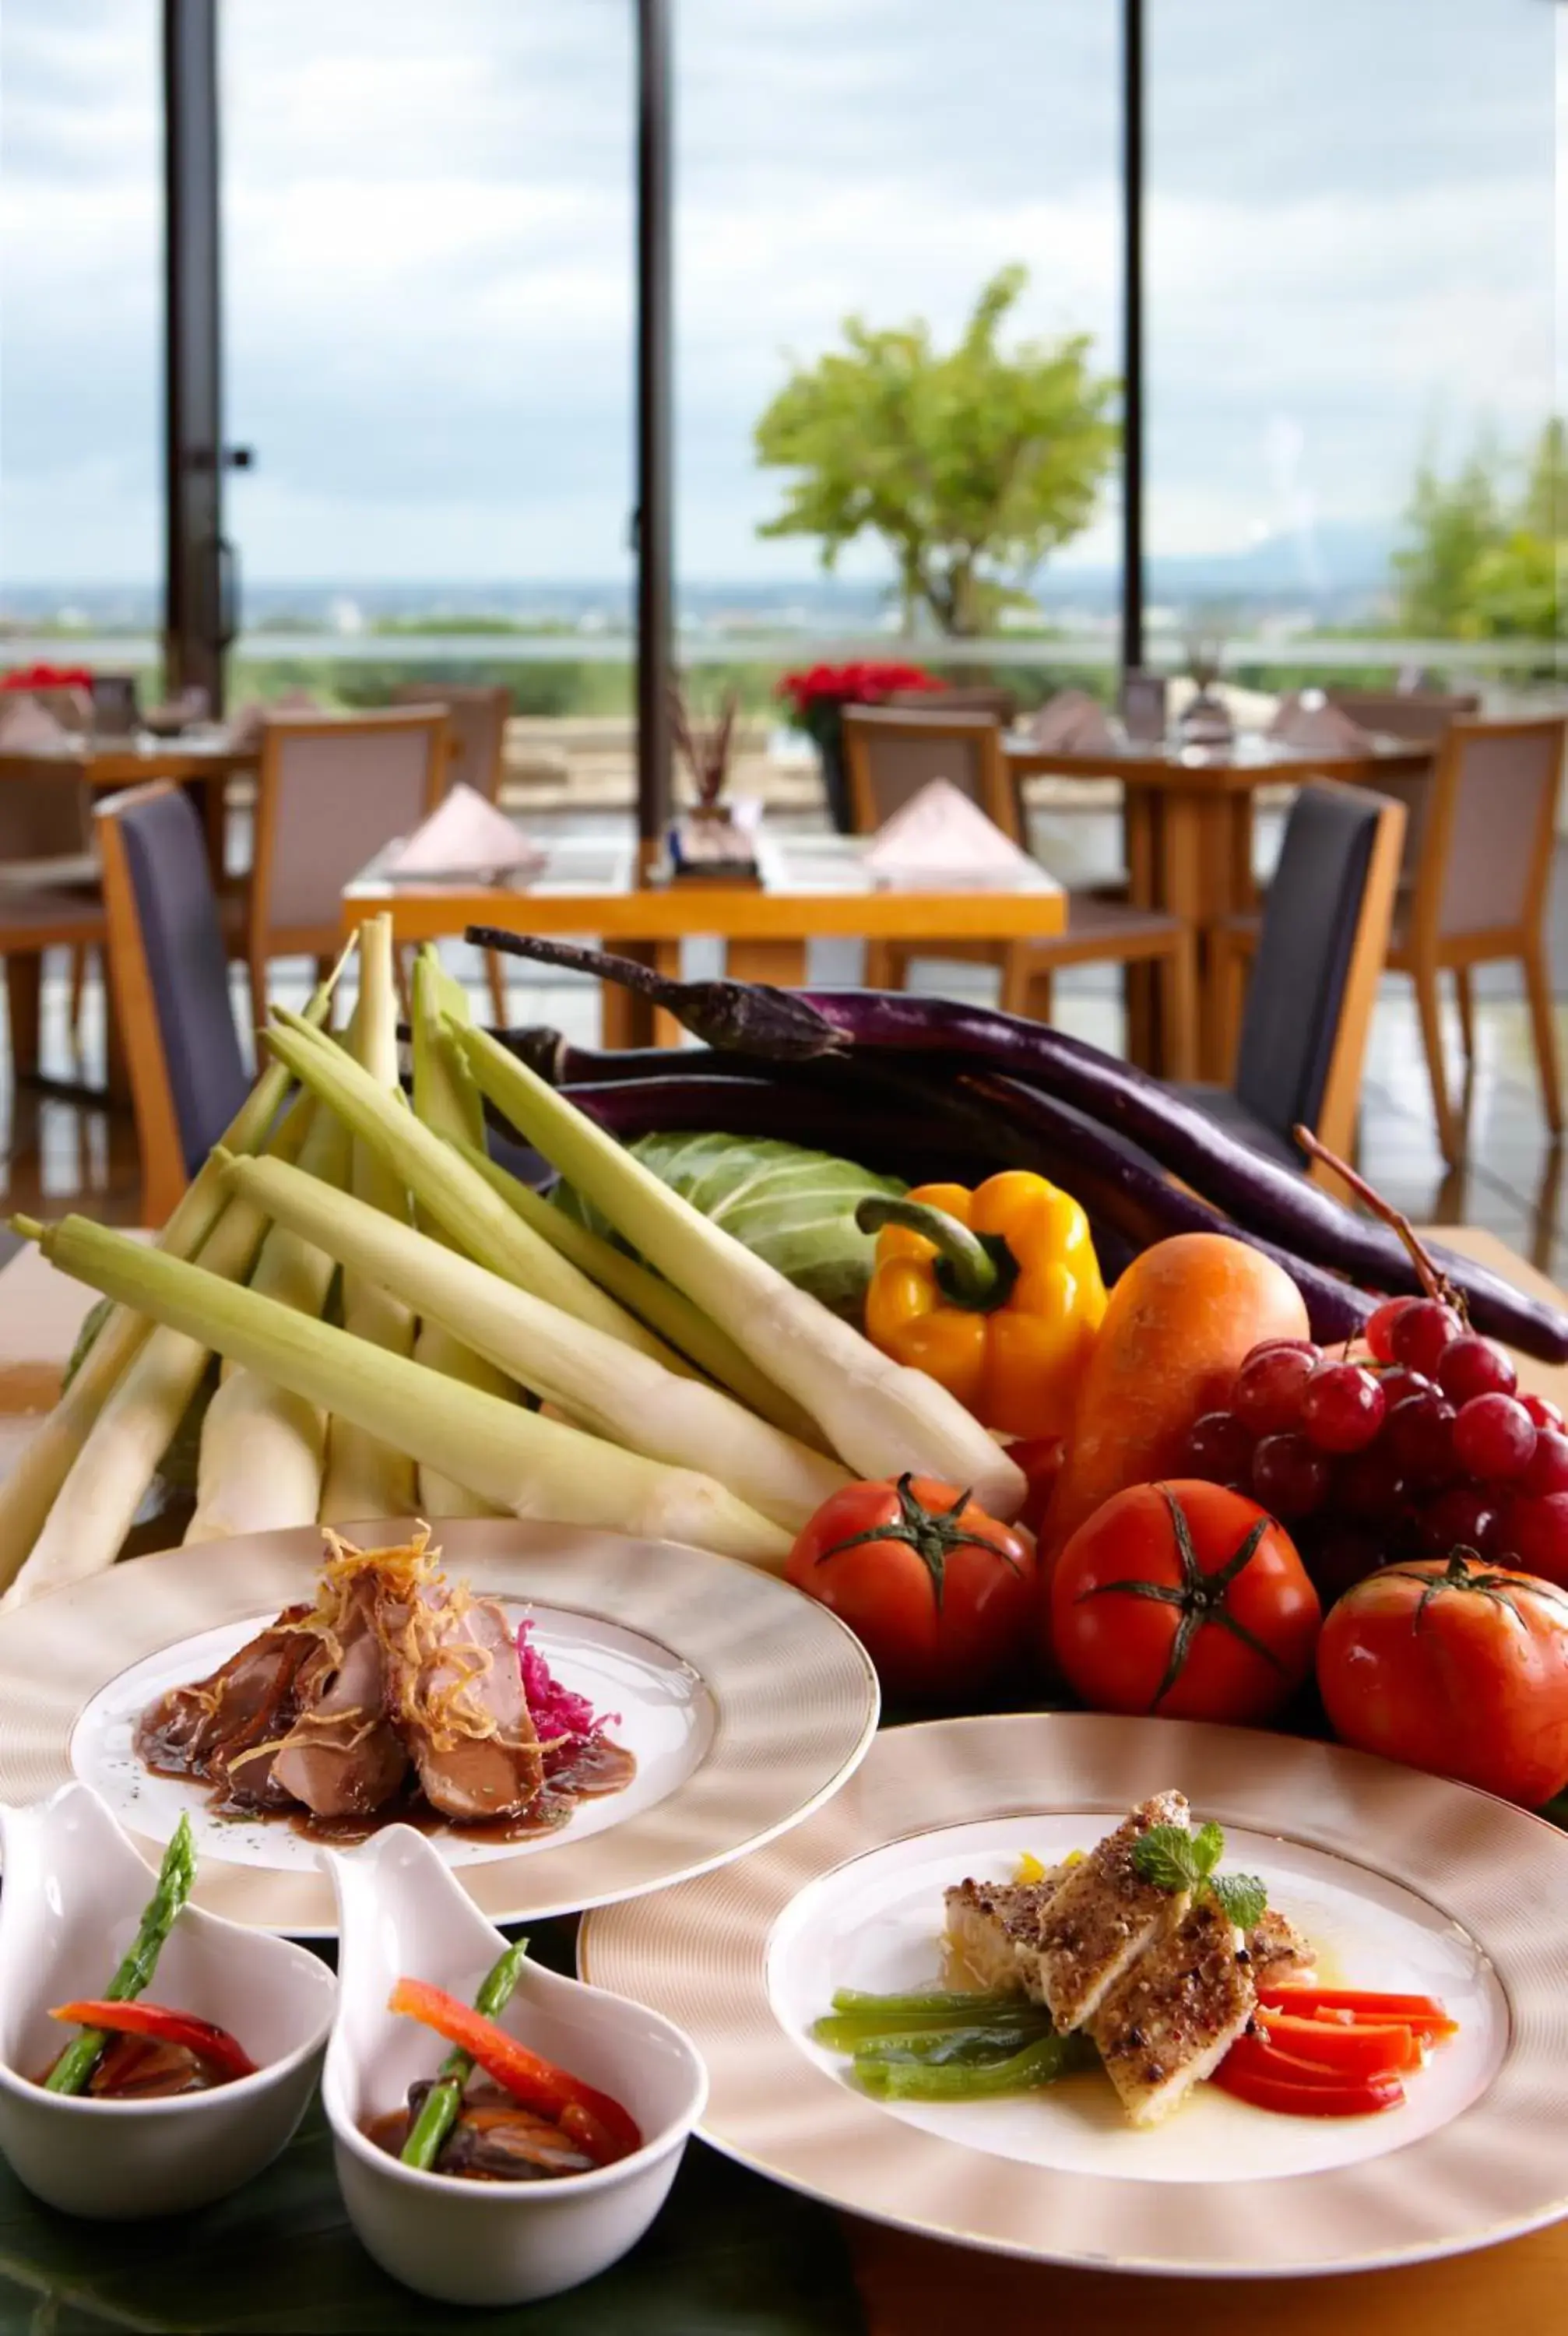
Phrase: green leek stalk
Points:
(366, 1477)
(526, 1465)
(447, 1102)
(97, 1503)
(29, 1491)
(475, 1219)
(438, 2111)
(73, 2068)
(600, 1385)
(263, 1450)
(659, 1303)
(882, 1417)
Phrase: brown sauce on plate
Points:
(595, 1770)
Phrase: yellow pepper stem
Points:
(977, 1271)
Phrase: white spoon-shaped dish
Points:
(74, 1889)
(402, 1916)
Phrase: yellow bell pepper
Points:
(996, 1292)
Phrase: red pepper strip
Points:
(601, 2127)
(1360, 2051)
(1419, 2011)
(1261, 2089)
(1269, 2061)
(209, 2042)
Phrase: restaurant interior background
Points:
(454, 290)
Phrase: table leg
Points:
(25, 998)
(626, 1017)
(1140, 815)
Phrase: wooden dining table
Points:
(204, 760)
(733, 2255)
(814, 887)
(1188, 818)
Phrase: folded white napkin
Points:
(1072, 723)
(940, 841)
(465, 836)
(26, 727)
(1308, 719)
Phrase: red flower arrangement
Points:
(47, 676)
(821, 690)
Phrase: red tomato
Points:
(1457, 1666)
(1184, 1600)
(941, 1596)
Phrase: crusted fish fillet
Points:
(1102, 1916)
(1279, 1954)
(1170, 2021)
(995, 1928)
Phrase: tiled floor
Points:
(57, 1155)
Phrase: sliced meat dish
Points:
(205, 1729)
(457, 1699)
(343, 1757)
(994, 1928)
(1102, 1916)
(1171, 2020)
(1279, 1954)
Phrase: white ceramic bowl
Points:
(401, 1915)
(74, 1888)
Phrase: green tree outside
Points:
(971, 465)
(1487, 552)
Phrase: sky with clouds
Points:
(428, 232)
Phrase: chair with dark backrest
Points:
(476, 722)
(890, 756)
(330, 794)
(1318, 954)
(168, 968)
(1478, 887)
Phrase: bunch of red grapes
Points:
(1425, 1448)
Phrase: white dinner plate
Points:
(1403, 1883)
(744, 1704)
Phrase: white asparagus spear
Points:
(526, 1465)
(605, 1386)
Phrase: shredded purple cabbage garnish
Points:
(556, 1713)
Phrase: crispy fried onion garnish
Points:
(431, 1662)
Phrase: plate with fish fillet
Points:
(569, 1715)
(1137, 1994)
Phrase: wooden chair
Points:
(1422, 715)
(46, 841)
(33, 919)
(1477, 890)
(971, 697)
(168, 970)
(889, 756)
(330, 793)
(476, 722)
(1317, 953)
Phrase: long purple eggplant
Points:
(922, 1151)
(1260, 1195)
(1124, 1189)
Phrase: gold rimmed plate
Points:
(1403, 1881)
(744, 1704)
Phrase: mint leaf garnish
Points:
(1208, 1848)
(1242, 1896)
(1164, 1856)
(1173, 1859)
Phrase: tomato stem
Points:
(1199, 1597)
(932, 1533)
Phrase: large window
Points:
(1349, 274)
(80, 305)
(428, 316)
(883, 158)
